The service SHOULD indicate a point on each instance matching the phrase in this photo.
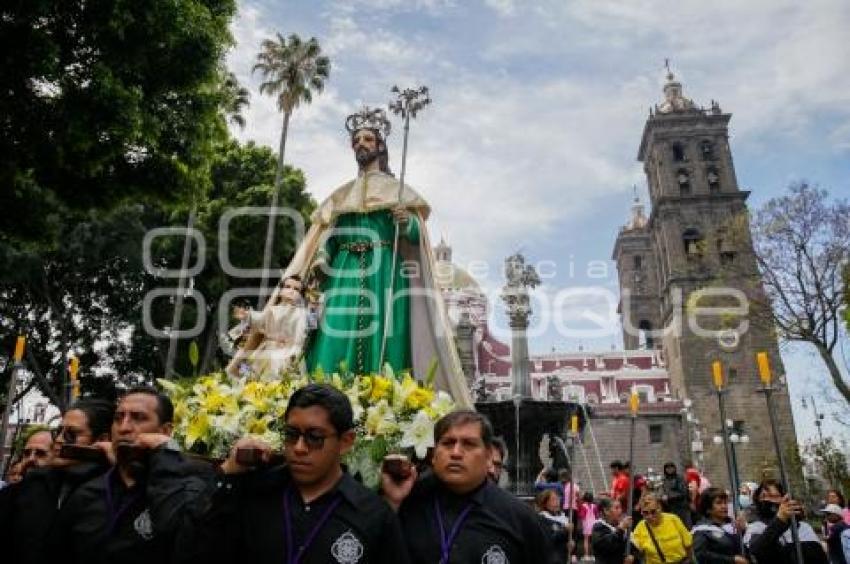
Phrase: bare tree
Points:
(802, 247)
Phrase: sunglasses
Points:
(35, 452)
(69, 436)
(314, 440)
(649, 512)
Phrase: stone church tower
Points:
(696, 237)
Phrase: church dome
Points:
(450, 276)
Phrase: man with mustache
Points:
(456, 514)
(132, 512)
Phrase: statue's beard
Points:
(365, 157)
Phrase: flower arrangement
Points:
(391, 414)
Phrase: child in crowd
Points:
(588, 512)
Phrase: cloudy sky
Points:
(530, 144)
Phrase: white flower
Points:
(380, 419)
(354, 399)
(229, 423)
(442, 404)
(419, 434)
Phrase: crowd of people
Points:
(110, 485)
(682, 518)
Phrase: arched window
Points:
(645, 334)
(725, 249)
(693, 242)
(707, 150)
(713, 180)
(678, 152)
(684, 181)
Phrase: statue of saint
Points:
(283, 328)
(350, 256)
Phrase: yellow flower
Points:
(257, 426)
(198, 428)
(180, 410)
(381, 388)
(253, 390)
(419, 399)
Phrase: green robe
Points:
(352, 326)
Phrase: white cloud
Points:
(505, 8)
(534, 122)
(376, 45)
(387, 8)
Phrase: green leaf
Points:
(431, 374)
(194, 354)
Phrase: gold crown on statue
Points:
(368, 118)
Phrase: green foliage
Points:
(831, 463)
(88, 295)
(240, 176)
(101, 104)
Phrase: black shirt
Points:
(105, 522)
(498, 528)
(244, 520)
(608, 543)
(28, 509)
(714, 544)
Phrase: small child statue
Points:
(275, 335)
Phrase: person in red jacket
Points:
(621, 483)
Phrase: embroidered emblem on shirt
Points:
(495, 555)
(347, 549)
(143, 525)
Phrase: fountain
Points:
(522, 421)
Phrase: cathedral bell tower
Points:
(694, 252)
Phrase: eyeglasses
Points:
(68, 435)
(314, 440)
(35, 453)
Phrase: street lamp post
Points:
(766, 377)
(818, 416)
(720, 387)
(693, 433)
(819, 426)
(736, 440)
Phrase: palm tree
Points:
(234, 99)
(292, 70)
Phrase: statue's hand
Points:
(401, 215)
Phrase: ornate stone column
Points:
(518, 278)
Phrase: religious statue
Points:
(283, 328)
(380, 302)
